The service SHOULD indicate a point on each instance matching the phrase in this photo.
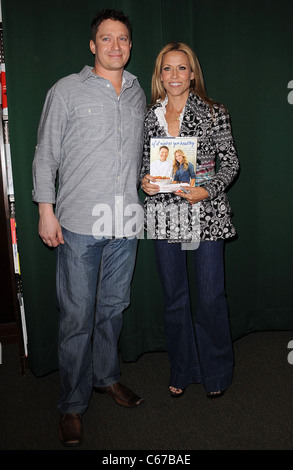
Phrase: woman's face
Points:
(178, 157)
(176, 73)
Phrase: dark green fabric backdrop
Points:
(245, 49)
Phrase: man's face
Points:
(163, 154)
(111, 47)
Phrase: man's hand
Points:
(49, 228)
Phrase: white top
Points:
(160, 113)
(159, 168)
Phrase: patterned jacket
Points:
(215, 146)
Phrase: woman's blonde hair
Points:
(197, 85)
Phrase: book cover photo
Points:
(173, 162)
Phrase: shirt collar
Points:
(87, 72)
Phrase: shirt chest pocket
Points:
(137, 120)
(90, 122)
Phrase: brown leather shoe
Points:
(122, 395)
(70, 429)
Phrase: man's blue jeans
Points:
(199, 347)
(93, 278)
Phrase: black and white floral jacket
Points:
(215, 144)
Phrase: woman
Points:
(182, 169)
(201, 352)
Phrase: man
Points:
(91, 135)
(162, 167)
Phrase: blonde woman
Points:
(199, 351)
(183, 170)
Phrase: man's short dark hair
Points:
(109, 14)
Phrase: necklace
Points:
(176, 115)
(177, 118)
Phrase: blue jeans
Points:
(93, 278)
(200, 348)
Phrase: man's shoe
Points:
(70, 430)
(122, 395)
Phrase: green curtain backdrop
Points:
(245, 49)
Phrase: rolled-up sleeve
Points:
(48, 150)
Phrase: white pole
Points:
(7, 171)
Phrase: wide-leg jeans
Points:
(93, 278)
(199, 346)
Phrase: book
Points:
(173, 162)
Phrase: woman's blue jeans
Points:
(200, 346)
(93, 278)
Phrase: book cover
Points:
(173, 162)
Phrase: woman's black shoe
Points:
(218, 394)
(176, 394)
